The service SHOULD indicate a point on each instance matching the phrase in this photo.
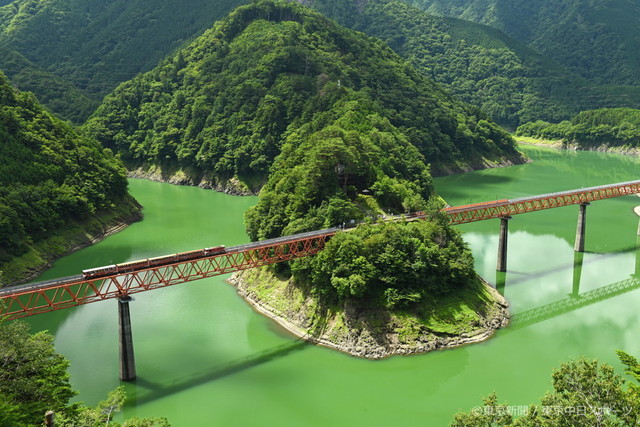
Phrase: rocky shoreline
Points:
(560, 144)
(371, 335)
(232, 186)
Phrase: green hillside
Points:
(56, 187)
(612, 127)
(60, 96)
(222, 107)
(93, 45)
(479, 64)
(586, 36)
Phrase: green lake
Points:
(204, 357)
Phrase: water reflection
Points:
(574, 302)
(578, 258)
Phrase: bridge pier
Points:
(127, 360)
(502, 244)
(581, 229)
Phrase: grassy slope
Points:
(468, 316)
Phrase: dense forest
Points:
(71, 53)
(479, 64)
(86, 48)
(344, 164)
(607, 126)
(225, 104)
(50, 175)
(398, 266)
(34, 380)
(586, 36)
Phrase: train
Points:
(474, 206)
(128, 267)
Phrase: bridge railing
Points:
(54, 295)
(505, 207)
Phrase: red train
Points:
(128, 267)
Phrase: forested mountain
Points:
(93, 45)
(608, 126)
(51, 179)
(274, 72)
(57, 93)
(479, 64)
(588, 36)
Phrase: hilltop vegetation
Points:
(511, 82)
(381, 289)
(71, 53)
(396, 265)
(222, 107)
(608, 126)
(58, 94)
(50, 178)
(585, 36)
(93, 45)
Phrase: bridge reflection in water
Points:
(575, 300)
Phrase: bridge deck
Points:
(34, 298)
(507, 207)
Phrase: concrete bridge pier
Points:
(502, 243)
(582, 227)
(127, 361)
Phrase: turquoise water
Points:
(206, 358)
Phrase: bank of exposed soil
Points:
(604, 148)
(369, 333)
(232, 186)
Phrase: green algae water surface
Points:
(206, 358)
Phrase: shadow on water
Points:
(159, 391)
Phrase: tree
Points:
(34, 380)
(585, 393)
(33, 377)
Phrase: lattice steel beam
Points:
(49, 297)
(503, 208)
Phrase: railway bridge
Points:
(122, 280)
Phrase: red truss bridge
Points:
(505, 208)
(121, 280)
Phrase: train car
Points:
(185, 256)
(417, 214)
(214, 250)
(162, 260)
(128, 267)
(132, 266)
(106, 270)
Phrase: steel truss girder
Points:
(70, 294)
(503, 208)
